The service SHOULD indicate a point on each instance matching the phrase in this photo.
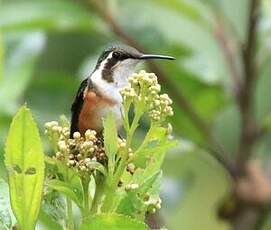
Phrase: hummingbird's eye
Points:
(116, 54)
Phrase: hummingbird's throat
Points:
(117, 71)
(113, 75)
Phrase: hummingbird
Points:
(99, 93)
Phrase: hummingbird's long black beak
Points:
(154, 56)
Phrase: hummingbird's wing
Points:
(77, 106)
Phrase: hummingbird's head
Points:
(117, 63)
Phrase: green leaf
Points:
(131, 206)
(154, 147)
(154, 133)
(133, 203)
(73, 193)
(152, 183)
(98, 166)
(157, 133)
(53, 208)
(47, 221)
(110, 141)
(154, 155)
(113, 222)
(51, 14)
(24, 160)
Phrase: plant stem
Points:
(98, 194)
(109, 198)
(69, 220)
(133, 127)
(146, 139)
(246, 103)
(119, 171)
(130, 134)
(126, 115)
(85, 184)
(104, 197)
(70, 223)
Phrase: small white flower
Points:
(76, 135)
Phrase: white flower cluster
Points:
(144, 87)
(55, 131)
(161, 107)
(153, 204)
(128, 93)
(79, 151)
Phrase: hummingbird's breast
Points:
(94, 109)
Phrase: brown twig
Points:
(218, 150)
(229, 55)
(248, 124)
(249, 217)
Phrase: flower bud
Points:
(130, 187)
(131, 168)
(76, 135)
(83, 168)
(56, 129)
(158, 206)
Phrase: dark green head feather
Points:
(120, 52)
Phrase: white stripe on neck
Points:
(121, 71)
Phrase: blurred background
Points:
(48, 46)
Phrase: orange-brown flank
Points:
(90, 115)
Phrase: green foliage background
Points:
(48, 46)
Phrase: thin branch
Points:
(218, 150)
(229, 55)
(248, 124)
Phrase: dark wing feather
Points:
(77, 106)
